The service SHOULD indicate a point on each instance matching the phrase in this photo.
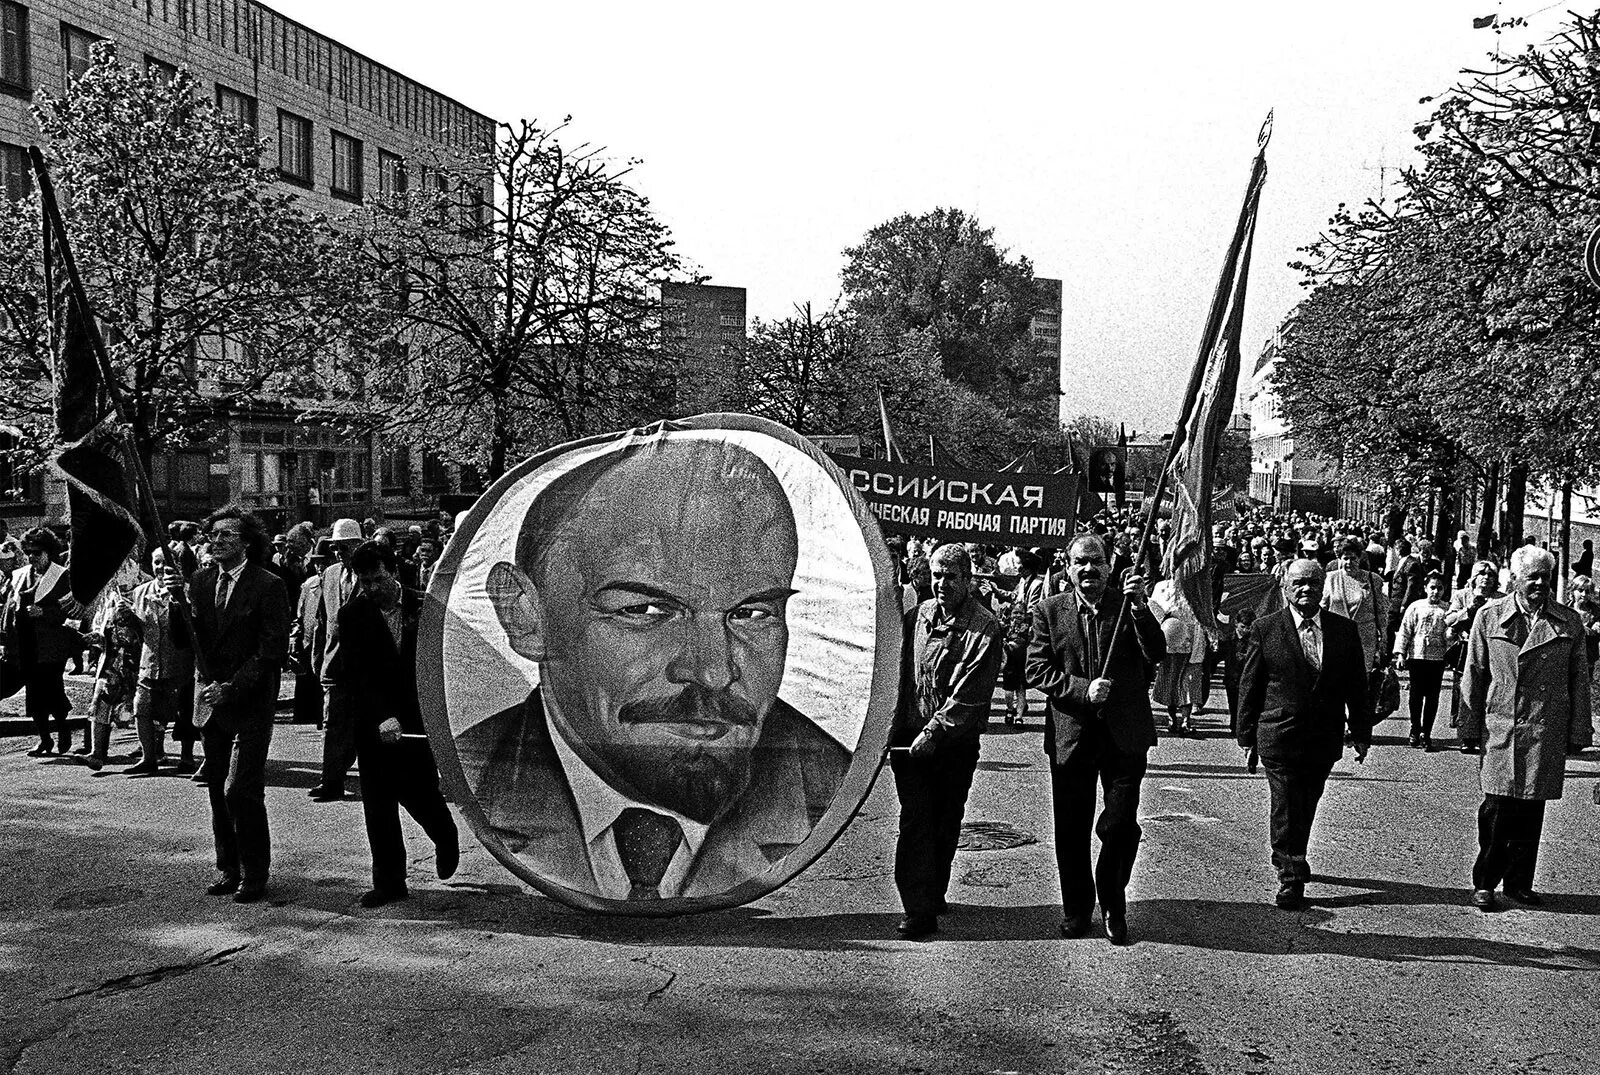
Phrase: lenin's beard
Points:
(698, 778)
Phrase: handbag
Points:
(1385, 688)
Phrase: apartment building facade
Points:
(339, 128)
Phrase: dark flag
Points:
(1088, 505)
(1122, 466)
(1207, 406)
(92, 457)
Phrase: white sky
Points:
(1109, 143)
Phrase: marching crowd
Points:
(1315, 618)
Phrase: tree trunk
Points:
(499, 417)
(1564, 567)
(1516, 503)
(1488, 509)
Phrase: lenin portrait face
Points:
(660, 656)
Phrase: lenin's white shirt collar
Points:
(599, 806)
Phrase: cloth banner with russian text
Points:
(991, 507)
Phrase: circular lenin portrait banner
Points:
(659, 667)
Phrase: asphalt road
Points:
(114, 960)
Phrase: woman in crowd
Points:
(1421, 643)
(1356, 594)
(1025, 597)
(38, 632)
(1178, 685)
(1483, 585)
(1586, 603)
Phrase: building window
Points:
(294, 147)
(15, 171)
(240, 107)
(14, 48)
(394, 470)
(346, 167)
(160, 69)
(75, 46)
(435, 474)
(391, 173)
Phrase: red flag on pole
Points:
(1207, 406)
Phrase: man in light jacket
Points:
(1525, 697)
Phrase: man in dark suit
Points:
(655, 759)
(241, 632)
(1098, 728)
(1303, 681)
(378, 650)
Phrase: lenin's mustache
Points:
(692, 705)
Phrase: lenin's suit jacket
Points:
(242, 645)
(1291, 714)
(524, 792)
(1058, 665)
(381, 670)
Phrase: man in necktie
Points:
(1303, 681)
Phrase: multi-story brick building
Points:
(705, 324)
(339, 127)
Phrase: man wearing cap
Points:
(338, 717)
(304, 659)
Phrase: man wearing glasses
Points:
(241, 632)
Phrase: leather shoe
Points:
(186, 767)
(1291, 897)
(1074, 925)
(1525, 896)
(43, 750)
(916, 926)
(1483, 899)
(144, 768)
(447, 856)
(326, 795)
(1116, 925)
(250, 893)
(377, 897)
(224, 885)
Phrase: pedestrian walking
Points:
(339, 702)
(1586, 603)
(39, 629)
(1180, 678)
(165, 692)
(1088, 656)
(1421, 644)
(1025, 598)
(378, 646)
(1526, 700)
(1355, 593)
(1483, 586)
(240, 615)
(1302, 686)
(118, 635)
(951, 661)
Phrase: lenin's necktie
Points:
(1308, 642)
(646, 842)
(222, 590)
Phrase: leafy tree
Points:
(198, 264)
(941, 273)
(527, 285)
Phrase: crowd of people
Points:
(1316, 616)
(194, 640)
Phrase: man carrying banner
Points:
(1088, 657)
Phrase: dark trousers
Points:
(45, 696)
(933, 797)
(307, 700)
(235, 776)
(1426, 679)
(395, 775)
(338, 736)
(1072, 791)
(1508, 842)
(1296, 790)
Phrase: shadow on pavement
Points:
(1238, 772)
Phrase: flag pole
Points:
(1220, 304)
(55, 224)
(53, 221)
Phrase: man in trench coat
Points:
(1525, 698)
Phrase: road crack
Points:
(648, 960)
(128, 982)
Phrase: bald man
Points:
(655, 758)
(1304, 679)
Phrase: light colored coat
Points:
(1525, 696)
